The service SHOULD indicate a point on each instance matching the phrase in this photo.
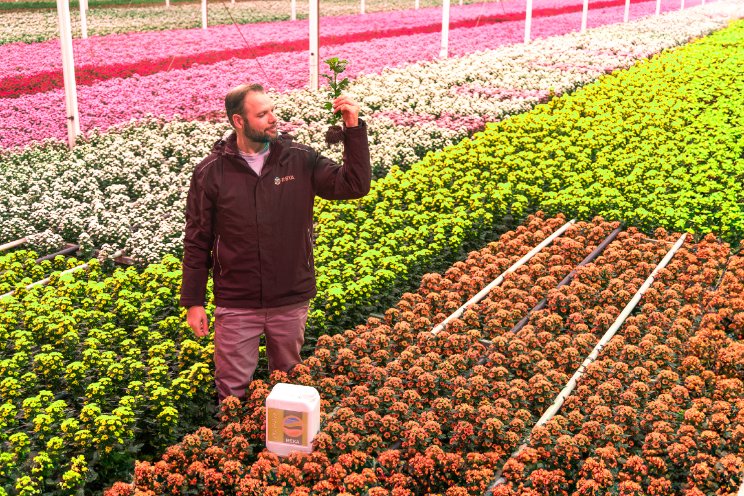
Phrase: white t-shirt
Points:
(256, 161)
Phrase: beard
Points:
(260, 136)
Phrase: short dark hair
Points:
(235, 97)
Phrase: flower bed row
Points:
(512, 155)
(662, 411)
(127, 188)
(20, 266)
(370, 356)
(451, 433)
(41, 26)
(146, 54)
(94, 370)
(102, 365)
(199, 91)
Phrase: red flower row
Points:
(13, 87)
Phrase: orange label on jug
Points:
(286, 426)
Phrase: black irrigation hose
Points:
(63, 252)
(566, 280)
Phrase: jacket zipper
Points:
(258, 237)
(217, 253)
(310, 245)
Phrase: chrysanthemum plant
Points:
(335, 133)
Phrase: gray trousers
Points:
(236, 340)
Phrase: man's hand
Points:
(198, 321)
(349, 110)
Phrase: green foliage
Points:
(96, 370)
(336, 66)
(659, 145)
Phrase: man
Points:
(249, 218)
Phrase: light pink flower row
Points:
(200, 91)
(22, 59)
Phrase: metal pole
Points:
(13, 244)
(445, 29)
(167, 3)
(528, 22)
(658, 7)
(417, 4)
(361, 7)
(83, 19)
(314, 16)
(204, 14)
(68, 71)
(584, 15)
(627, 11)
(550, 412)
(293, 10)
(682, 5)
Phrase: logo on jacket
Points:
(279, 180)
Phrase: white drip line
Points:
(553, 409)
(13, 244)
(68, 271)
(484, 292)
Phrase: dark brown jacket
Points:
(255, 233)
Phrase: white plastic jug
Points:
(292, 418)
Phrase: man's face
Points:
(258, 120)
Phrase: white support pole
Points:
(167, 3)
(314, 17)
(528, 22)
(682, 5)
(361, 7)
(584, 15)
(83, 19)
(445, 29)
(626, 15)
(571, 385)
(460, 2)
(293, 10)
(204, 14)
(12, 244)
(484, 292)
(68, 71)
(417, 4)
(550, 412)
(658, 7)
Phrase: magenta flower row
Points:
(199, 91)
(134, 47)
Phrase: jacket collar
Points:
(228, 144)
